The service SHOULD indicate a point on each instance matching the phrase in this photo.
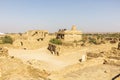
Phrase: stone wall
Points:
(69, 35)
(54, 49)
(72, 37)
(32, 39)
(38, 35)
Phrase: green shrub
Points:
(92, 40)
(56, 41)
(83, 40)
(7, 39)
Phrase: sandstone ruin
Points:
(69, 35)
(54, 49)
(29, 57)
(119, 46)
(38, 35)
(26, 40)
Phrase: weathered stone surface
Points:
(38, 35)
(3, 52)
(119, 46)
(69, 35)
(26, 40)
(54, 49)
(15, 69)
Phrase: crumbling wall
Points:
(30, 44)
(54, 49)
(119, 46)
(69, 35)
(12, 68)
(32, 39)
(72, 37)
(38, 35)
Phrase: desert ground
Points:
(102, 62)
(67, 66)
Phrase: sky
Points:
(88, 15)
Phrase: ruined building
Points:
(38, 35)
(31, 39)
(69, 35)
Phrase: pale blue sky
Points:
(51, 15)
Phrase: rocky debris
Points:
(113, 53)
(36, 73)
(41, 65)
(75, 67)
(93, 55)
(12, 68)
(119, 46)
(111, 57)
(3, 52)
(113, 41)
(112, 62)
(97, 72)
(54, 49)
(15, 69)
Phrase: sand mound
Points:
(14, 69)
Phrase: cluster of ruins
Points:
(33, 39)
(67, 37)
(105, 53)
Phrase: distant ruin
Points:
(69, 35)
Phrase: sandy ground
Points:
(67, 65)
(57, 62)
(98, 72)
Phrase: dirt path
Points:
(53, 62)
(67, 62)
(39, 54)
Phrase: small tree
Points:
(7, 39)
(56, 41)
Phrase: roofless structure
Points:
(69, 35)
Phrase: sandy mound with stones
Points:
(14, 69)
